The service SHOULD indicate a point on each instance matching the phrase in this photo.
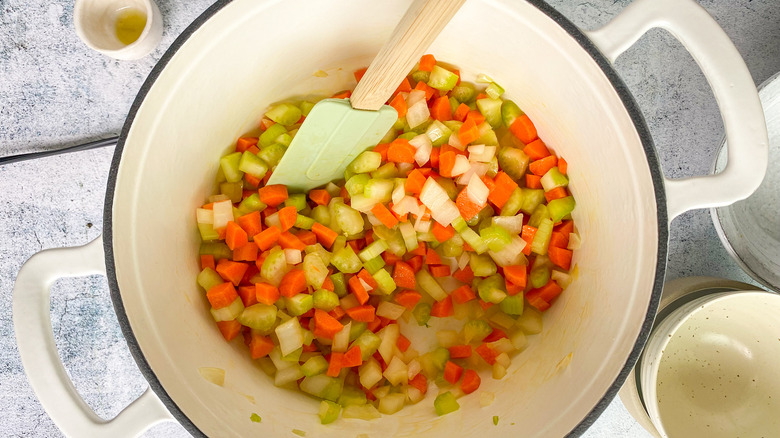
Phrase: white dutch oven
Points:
(239, 57)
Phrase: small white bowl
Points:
(95, 23)
(709, 367)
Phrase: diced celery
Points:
(321, 214)
(385, 281)
(329, 411)
(363, 412)
(429, 285)
(367, 161)
(322, 386)
(445, 403)
(270, 135)
(476, 330)
(295, 356)
(514, 203)
(252, 164)
(487, 135)
(368, 342)
(491, 109)
(531, 199)
(314, 365)
(485, 212)
(539, 213)
(234, 191)
(391, 403)
(452, 247)
(492, 289)
(346, 261)
(207, 232)
(397, 373)
(438, 132)
(297, 200)
(422, 313)
(513, 161)
(511, 254)
(408, 135)
(350, 220)
(493, 168)
(315, 269)
(325, 299)
(409, 235)
(393, 238)
(362, 203)
(459, 224)
(512, 304)
(219, 250)
(290, 335)
(230, 312)
(474, 240)
(509, 112)
(530, 321)
(374, 249)
(560, 208)
(464, 92)
(284, 113)
(379, 189)
(339, 284)
(304, 222)
(251, 203)
(274, 266)
(272, 153)
(258, 316)
(356, 329)
(554, 179)
(255, 418)
(542, 237)
(495, 237)
(285, 139)
(320, 251)
(229, 164)
(421, 76)
(494, 91)
(442, 79)
(539, 276)
(482, 265)
(387, 170)
(208, 278)
(352, 396)
(299, 304)
(287, 375)
(374, 265)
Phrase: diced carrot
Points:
(416, 263)
(268, 212)
(266, 123)
(533, 181)
(244, 143)
(407, 298)
(461, 112)
(481, 96)
(325, 235)
(566, 227)
(222, 295)
(560, 257)
(559, 239)
(328, 284)
(335, 364)
(287, 217)
(357, 244)
(513, 289)
(403, 343)
(251, 271)
(452, 372)
(364, 313)
(252, 223)
(427, 62)
(399, 103)
(207, 261)
(404, 86)
(463, 294)
(383, 214)
(517, 274)
(485, 305)
(319, 196)
(556, 193)
(401, 151)
(267, 294)
(260, 346)
(429, 91)
(414, 182)
(476, 117)
(466, 275)
(523, 128)
(468, 132)
(252, 181)
(209, 206)
(367, 278)
(467, 208)
(563, 166)
(547, 292)
(536, 150)
(434, 160)
(470, 381)
(487, 353)
(442, 233)
(337, 312)
(432, 257)
(420, 382)
(357, 289)
(495, 335)
(540, 304)
(235, 236)
(421, 250)
(289, 240)
(267, 238)
(359, 73)
(325, 326)
(502, 190)
(446, 163)
(440, 270)
(390, 258)
(307, 237)
(443, 308)
(542, 165)
(528, 234)
(344, 193)
(403, 275)
(229, 329)
(293, 283)
(460, 351)
(245, 253)
(352, 358)
(374, 326)
(231, 271)
(273, 195)
(382, 148)
(441, 109)
(342, 95)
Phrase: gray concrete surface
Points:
(54, 91)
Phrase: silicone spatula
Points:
(338, 130)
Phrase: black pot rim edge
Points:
(587, 45)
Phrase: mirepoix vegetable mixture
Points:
(460, 212)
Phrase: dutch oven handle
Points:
(35, 340)
(731, 83)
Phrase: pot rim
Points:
(585, 43)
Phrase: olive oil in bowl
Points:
(129, 25)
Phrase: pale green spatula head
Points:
(332, 135)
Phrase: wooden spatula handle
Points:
(421, 24)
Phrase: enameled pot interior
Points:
(250, 54)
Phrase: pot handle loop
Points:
(731, 83)
(45, 372)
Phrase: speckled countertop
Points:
(54, 91)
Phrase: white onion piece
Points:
(563, 279)
(461, 165)
(373, 219)
(407, 204)
(476, 149)
(389, 310)
(204, 216)
(487, 154)
(415, 96)
(574, 241)
(219, 197)
(477, 191)
(422, 226)
(445, 213)
(479, 169)
(432, 194)
(513, 224)
(292, 256)
(404, 168)
(341, 339)
(223, 213)
(398, 193)
(454, 141)
(511, 254)
(463, 260)
(424, 146)
(273, 220)
(417, 114)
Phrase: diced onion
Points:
(219, 197)
(415, 96)
(477, 191)
(341, 339)
(424, 147)
(454, 141)
(513, 224)
(273, 220)
(389, 336)
(293, 256)
(204, 216)
(575, 242)
(563, 279)
(398, 193)
(417, 114)
(479, 169)
(433, 195)
(396, 372)
(223, 213)
(485, 155)
(389, 310)
(476, 149)
(404, 168)
(422, 226)
(407, 204)
(461, 165)
(413, 368)
(463, 260)
(370, 373)
(511, 254)
(446, 213)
